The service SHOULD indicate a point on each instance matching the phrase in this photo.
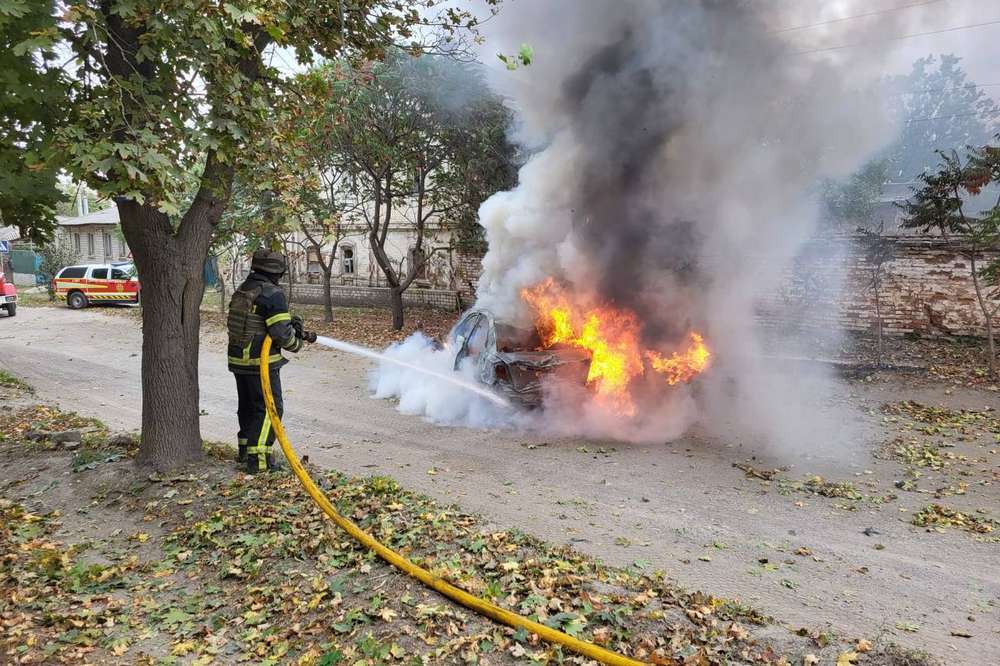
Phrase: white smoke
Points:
(675, 152)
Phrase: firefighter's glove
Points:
(309, 336)
(298, 326)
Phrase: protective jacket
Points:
(259, 308)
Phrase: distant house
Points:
(94, 237)
(889, 214)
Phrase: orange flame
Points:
(685, 366)
(611, 335)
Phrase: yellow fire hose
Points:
(437, 583)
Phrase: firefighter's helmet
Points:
(267, 261)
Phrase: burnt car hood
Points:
(544, 359)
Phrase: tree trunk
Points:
(878, 326)
(396, 303)
(327, 296)
(986, 316)
(171, 271)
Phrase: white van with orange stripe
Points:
(80, 286)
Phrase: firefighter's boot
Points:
(241, 451)
(259, 459)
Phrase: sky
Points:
(978, 46)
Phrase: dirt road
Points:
(680, 506)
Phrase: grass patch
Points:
(36, 299)
(8, 380)
(15, 425)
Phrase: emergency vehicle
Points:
(8, 296)
(80, 286)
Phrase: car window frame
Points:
(93, 272)
(463, 340)
(62, 274)
(482, 321)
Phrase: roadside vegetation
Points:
(8, 380)
(207, 565)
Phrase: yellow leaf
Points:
(847, 658)
(182, 648)
(387, 614)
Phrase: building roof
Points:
(107, 216)
(9, 233)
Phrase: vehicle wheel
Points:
(11, 309)
(76, 300)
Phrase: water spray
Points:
(358, 350)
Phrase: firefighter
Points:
(259, 308)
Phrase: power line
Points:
(946, 117)
(856, 16)
(950, 88)
(900, 37)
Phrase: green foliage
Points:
(32, 106)
(938, 204)
(55, 256)
(152, 107)
(523, 57)
(854, 200)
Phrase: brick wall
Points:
(927, 288)
(467, 270)
(366, 296)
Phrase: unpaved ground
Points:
(680, 506)
(208, 566)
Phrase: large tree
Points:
(938, 108)
(165, 94)
(422, 139)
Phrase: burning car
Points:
(512, 359)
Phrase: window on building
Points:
(313, 264)
(76, 242)
(90, 245)
(122, 248)
(100, 274)
(107, 245)
(347, 260)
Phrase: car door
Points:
(121, 283)
(464, 332)
(97, 287)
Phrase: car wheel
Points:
(11, 309)
(76, 300)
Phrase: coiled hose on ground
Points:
(437, 583)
